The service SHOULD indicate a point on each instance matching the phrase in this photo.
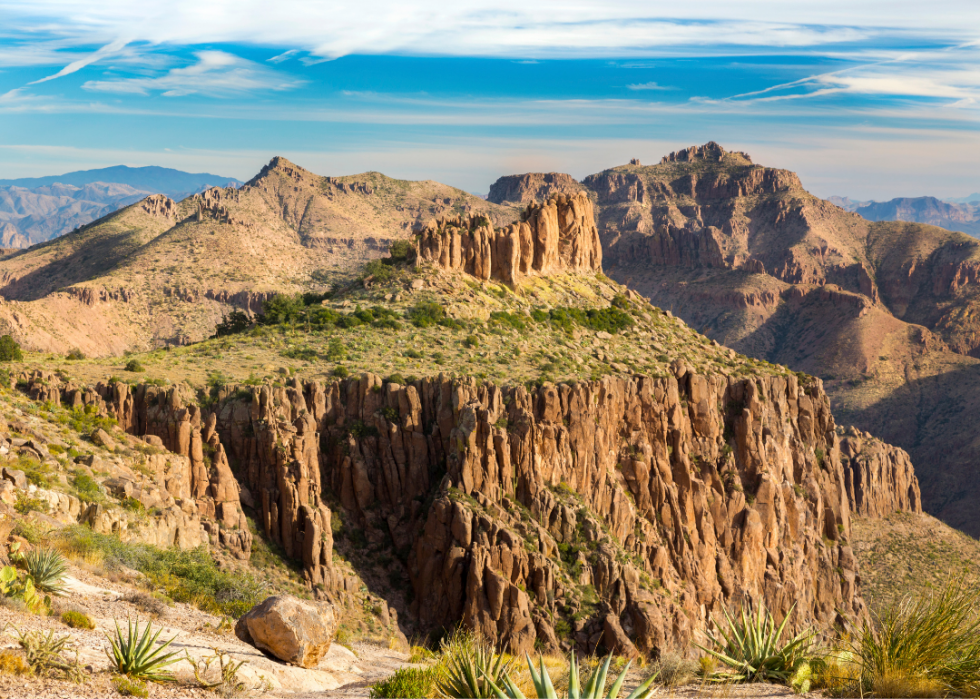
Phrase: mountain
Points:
(37, 209)
(971, 199)
(164, 272)
(524, 447)
(153, 179)
(886, 312)
(964, 217)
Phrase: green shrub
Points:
(513, 320)
(336, 352)
(189, 576)
(378, 271)
(425, 314)
(472, 341)
(282, 308)
(232, 324)
(77, 620)
(134, 366)
(304, 353)
(401, 252)
(75, 354)
(412, 354)
(128, 687)
(341, 372)
(407, 683)
(28, 503)
(10, 350)
(87, 488)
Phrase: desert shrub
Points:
(10, 350)
(190, 576)
(401, 252)
(13, 663)
(341, 372)
(925, 643)
(26, 503)
(75, 354)
(425, 314)
(304, 353)
(128, 687)
(76, 619)
(472, 341)
(336, 352)
(44, 653)
(146, 603)
(232, 324)
(412, 354)
(135, 366)
(378, 271)
(282, 308)
(407, 683)
(87, 488)
(620, 301)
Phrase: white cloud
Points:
(647, 86)
(513, 28)
(215, 73)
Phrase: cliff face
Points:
(558, 235)
(624, 511)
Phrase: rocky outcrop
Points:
(195, 473)
(879, 477)
(532, 187)
(710, 151)
(559, 235)
(624, 511)
(159, 205)
(292, 630)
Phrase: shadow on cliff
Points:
(935, 420)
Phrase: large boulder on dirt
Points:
(295, 631)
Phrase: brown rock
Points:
(292, 630)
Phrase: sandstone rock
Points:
(153, 440)
(292, 630)
(101, 438)
(15, 476)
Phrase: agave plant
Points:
(47, 569)
(593, 688)
(751, 647)
(472, 674)
(138, 656)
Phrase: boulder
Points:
(295, 631)
(15, 476)
(102, 439)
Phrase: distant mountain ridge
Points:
(36, 209)
(152, 178)
(961, 214)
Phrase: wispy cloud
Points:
(647, 86)
(77, 65)
(216, 73)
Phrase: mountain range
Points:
(36, 209)
(961, 214)
(885, 312)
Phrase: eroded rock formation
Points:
(624, 511)
(558, 235)
(532, 187)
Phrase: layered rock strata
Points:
(558, 235)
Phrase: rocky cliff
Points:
(557, 235)
(621, 512)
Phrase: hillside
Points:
(885, 312)
(163, 272)
(523, 447)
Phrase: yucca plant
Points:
(468, 672)
(47, 569)
(593, 688)
(139, 656)
(931, 639)
(752, 648)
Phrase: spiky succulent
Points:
(592, 688)
(468, 672)
(47, 569)
(139, 656)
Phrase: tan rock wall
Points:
(558, 235)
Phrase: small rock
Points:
(603, 335)
(153, 440)
(417, 284)
(102, 439)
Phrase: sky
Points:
(870, 100)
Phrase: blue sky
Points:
(866, 99)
